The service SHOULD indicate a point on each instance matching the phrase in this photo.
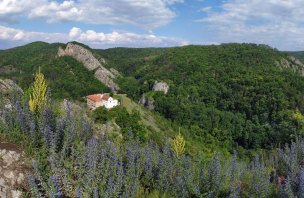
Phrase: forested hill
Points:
(231, 95)
(66, 77)
(235, 94)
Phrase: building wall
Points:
(91, 104)
(111, 103)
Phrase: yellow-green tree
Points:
(38, 93)
(178, 145)
(299, 118)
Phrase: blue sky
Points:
(153, 23)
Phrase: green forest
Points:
(233, 95)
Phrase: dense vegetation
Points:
(234, 95)
(125, 120)
(225, 97)
(71, 162)
(66, 77)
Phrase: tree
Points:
(38, 93)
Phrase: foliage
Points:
(178, 145)
(127, 121)
(71, 162)
(231, 95)
(38, 93)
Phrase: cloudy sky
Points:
(153, 23)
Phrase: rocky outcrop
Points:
(292, 63)
(161, 86)
(12, 171)
(7, 69)
(86, 57)
(81, 54)
(147, 102)
(115, 72)
(7, 86)
(9, 92)
(147, 98)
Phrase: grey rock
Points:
(115, 72)
(10, 157)
(9, 174)
(7, 69)
(8, 91)
(3, 188)
(147, 102)
(161, 86)
(81, 54)
(106, 77)
(86, 57)
(7, 86)
(20, 178)
(12, 172)
(16, 193)
(292, 64)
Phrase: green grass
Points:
(152, 120)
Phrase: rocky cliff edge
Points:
(86, 57)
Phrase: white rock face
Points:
(3, 188)
(12, 173)
(161, 86)
(84, 56)
(16, 193)
(81, 54)
(8, 89)
(293, 64)
(9, 157)
(7, 86)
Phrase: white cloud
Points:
(10, 7)
(54, 11)
(279, 23)
(205, 9)
(74, 32)
(13, 37)
(148, 14)
(124, 39)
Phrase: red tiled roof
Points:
(98, 98)
(105, 97)
(95, 98)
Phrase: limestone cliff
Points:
(147, 98)
(7, 86)
(161, 86)
(147, 102)
(86, 57)
(292, 63)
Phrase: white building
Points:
(98, 100)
